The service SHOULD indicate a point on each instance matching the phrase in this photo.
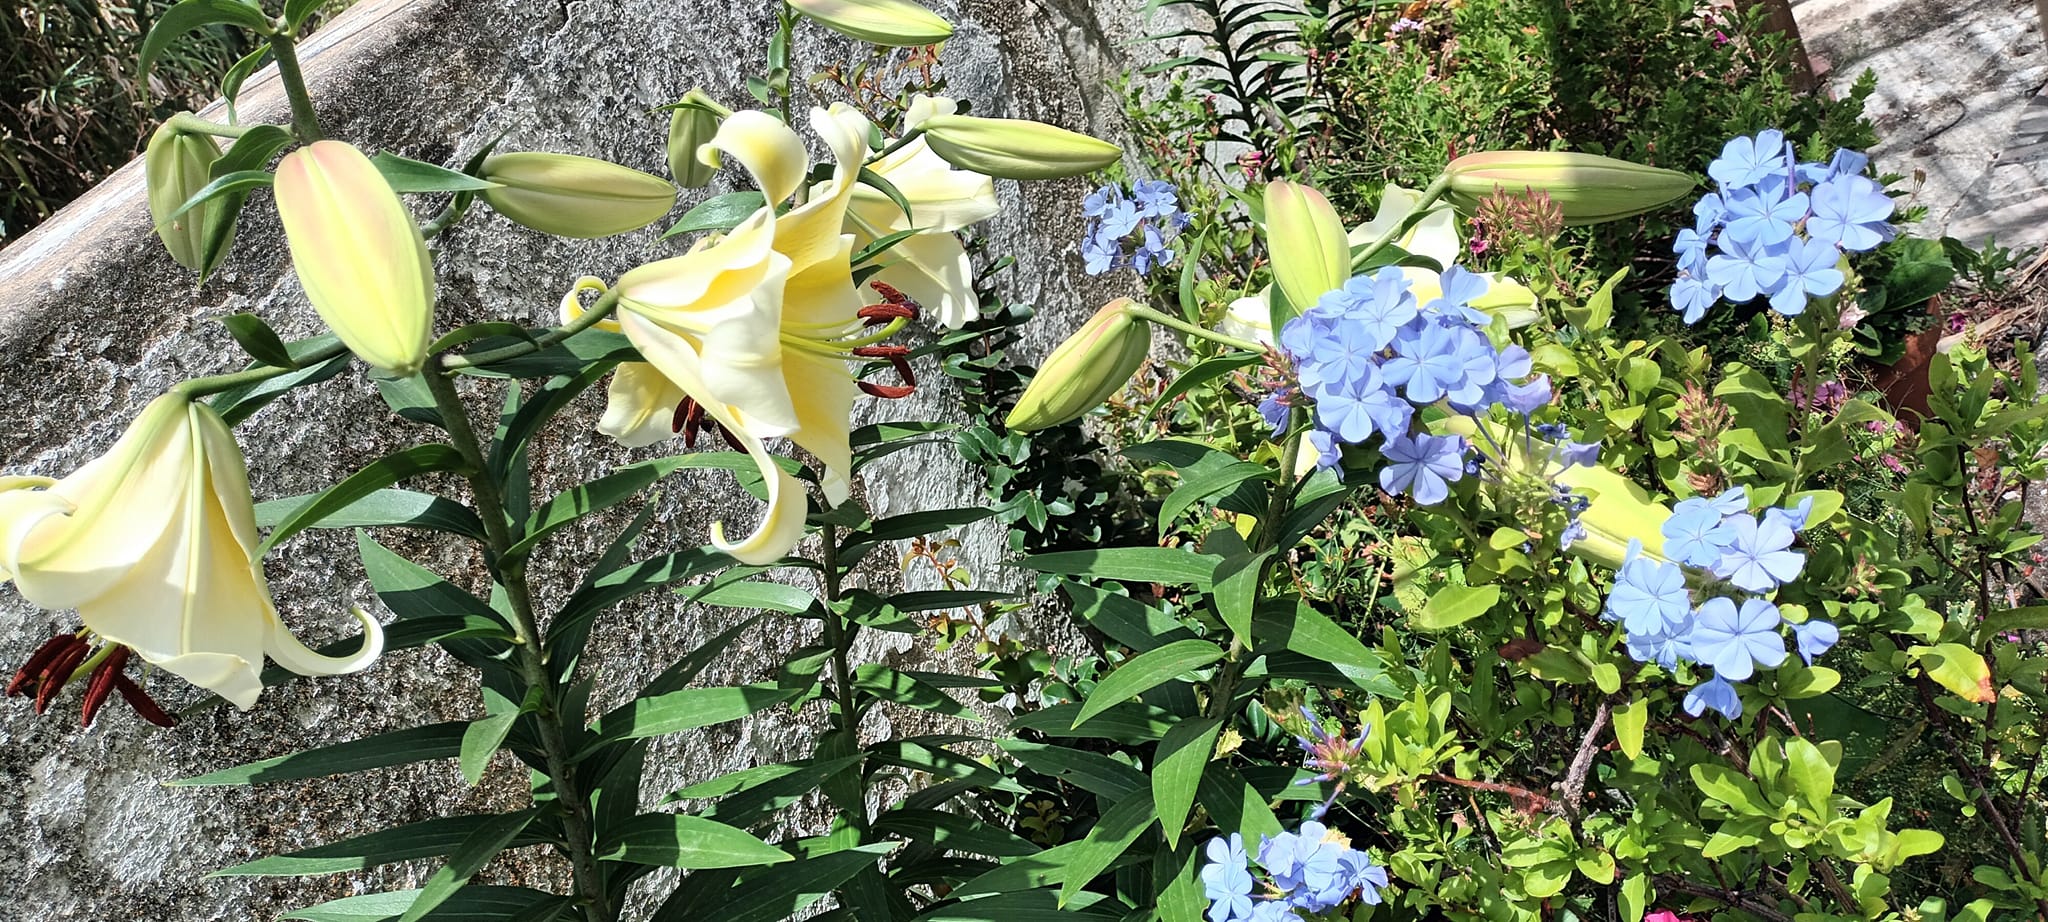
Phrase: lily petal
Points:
(767, 148)
(640, 405)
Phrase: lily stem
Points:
(589, 318)
(840, 639)
(510, 571)
(214, 384)
(1429, 195)
(305, 123)
(1172, 322)
(193, 124)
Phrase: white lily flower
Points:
(154, 544)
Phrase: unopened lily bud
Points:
(1095, 362)
(1307, 243)
(690, 125)
(897, 23)
(1588, 188)
(174, 168)
(358, 254)
(571, 196)
(1015, 148)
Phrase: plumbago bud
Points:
(1015, 148)
(1095, 362)
(1619, 512)
(1588, 188)
(897, 23)
(690, 125)
(1306, 239)
(174, 167)
(571, 196)
(358, 254)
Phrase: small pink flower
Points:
(1665, 915)
(1478, 245)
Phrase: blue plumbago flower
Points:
(1328, 450)
(1332, 756)
(1367, 877)
(1578, 454)
(1692, 295)
(1774, 227)
(1745, 269)
(1120, 218)
(1851, 212)
(1736, 640)
(1274, 911)
(1755, 218)
(1149, 219)
(1794, 517)
(1423, 466)
(1756, 558)
(1691, 250)
(1344, 358)
(1346, 415)
(1100, 253)
(1746, 161)
(1315, 871)
(1649, 597)
(1809, 273)
(1099, 200)
(1815, 638)
(1714, 693)
(1732, 501)
(1572, 531)
(1694, 536)
(1665, 648)
(1382, 302)
(1156, 198)
(1527, 397)
(1277, 408)
(1227, 880)
(1460, 289)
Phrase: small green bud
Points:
(571, 196)
(690, 125)
(1588, 188)
(1015, 148)
(896, 23)
(1094, 363)
(174, 166)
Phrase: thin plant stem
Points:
(214, 384)
(1171, 322)
(305, 124)
(193, 124)
(590, 318)
(510, 572)
(1435, 190)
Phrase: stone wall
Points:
(98, 320)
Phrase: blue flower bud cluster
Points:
(1312, 871)
(1148, 219)
(1369, 355)
(1731, 632)
(1775, 227)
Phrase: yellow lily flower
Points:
(755, 329)
(154, 544)
(930, 266)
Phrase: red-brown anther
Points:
(689, 418)
(894, 295)
(58, 672)
(885, 391)
(730, 439)
(142, 702)
(878, 314)
(101, 685)
(898, 358)
(38, 661)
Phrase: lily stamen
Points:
(32, 670)
(142, 702)
(58, 673)
(102, 684)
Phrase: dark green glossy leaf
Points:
(470, 904)
(718, 213)
(258, 340)
(1146, 671)
(190, 15)
(404, 174)
(686, 709)
(376, 475)
(425, 839)
(1165, 565)
(399, 747)
(382, 507)
(476, 850)
(677, 841)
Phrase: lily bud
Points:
(897, 23)
(358, 254)
(175, 167)
(690, 125)
(571, 196)
(154, 544)
(1095, 362)
(1589, 188)
(1307, 242)
(1015, 148)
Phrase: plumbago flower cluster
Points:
(1734, 628)
(1369, 355)
(1147, 219)
(1776, 227)
(1311, 870)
